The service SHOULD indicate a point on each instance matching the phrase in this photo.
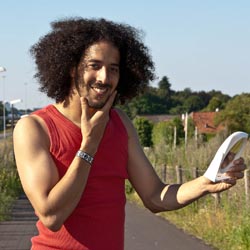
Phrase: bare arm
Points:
(158, 196)
(54, 199)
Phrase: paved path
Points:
(143, 231)
(146, 231)
(15, 234)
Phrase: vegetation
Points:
(225, 225)
(10, 186)
(164, 100)
(144, 129)
(236, 115)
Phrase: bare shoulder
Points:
(30, 128)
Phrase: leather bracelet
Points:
(85, 156)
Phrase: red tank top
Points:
(97, 223)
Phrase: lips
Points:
(101, 88)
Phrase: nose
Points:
(102, 75)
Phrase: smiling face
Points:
(100, 74)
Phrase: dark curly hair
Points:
(62, 49)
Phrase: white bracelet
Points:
(83, 155)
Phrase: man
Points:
(74, 156)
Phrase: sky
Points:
(201, 45)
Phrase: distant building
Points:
(204, 122)
(159, 118)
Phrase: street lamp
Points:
(2, 69)
(12, 111)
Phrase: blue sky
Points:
(202, 45)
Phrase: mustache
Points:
(101, 85)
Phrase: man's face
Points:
(101, 73)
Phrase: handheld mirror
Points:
(230, 150)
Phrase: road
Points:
(143, 231)
(146, 231)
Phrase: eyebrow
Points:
(98, 61)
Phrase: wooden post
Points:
(217, 197)
(178, 174)
(164, 173)
(195, 173)
(175, 136)
(247, 186)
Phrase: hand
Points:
(235, 172)
(93, 125)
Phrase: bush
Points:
(144, 129)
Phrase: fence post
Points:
(247, 185)
(164, 173)
(217, 197)
(195, 173)
(178, 174)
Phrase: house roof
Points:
(204, 121)
(158, 118)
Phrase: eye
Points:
(94, 66)
(114, 69)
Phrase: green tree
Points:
(164, 88)
(193, 103)
(236, 115)
(163, 133)
(144, 129)
(214, 103)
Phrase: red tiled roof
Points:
(204, 121)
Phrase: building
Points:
(205, 122)
(159, 118)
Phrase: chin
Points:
(98, 105)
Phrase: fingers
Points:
(239, 161)
(110, 102)
(237, 170)
(84, 106)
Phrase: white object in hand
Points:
(232, 147)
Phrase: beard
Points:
(96, 105)
(99, 104)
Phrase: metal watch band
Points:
(83, 155)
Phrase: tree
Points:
(214, 104)
(236, 115)
(193, 103)
(164, 90)
(144, 129)
(163, 132)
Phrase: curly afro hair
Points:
(62, 49)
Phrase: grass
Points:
(10, 186)
(224, 227)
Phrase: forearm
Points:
(176, 196)
(191, 191)
(62, 199)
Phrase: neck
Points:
(72, 110)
